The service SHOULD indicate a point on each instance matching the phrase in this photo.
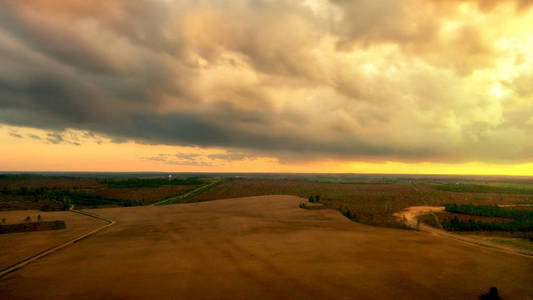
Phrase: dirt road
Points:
(186, 194)
(263, 248)
(39, 255)
(410, 217)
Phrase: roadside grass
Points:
(174, 199)
(514, 242)
(190, 193)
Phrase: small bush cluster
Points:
(316, 199)
(347, 212)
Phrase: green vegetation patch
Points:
(149, 182)
(498, 188)
(90, 200)
(490, 211)
(62, 199)
(522, 219)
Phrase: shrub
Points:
(28, 219)
(301, 205)
(348, 213)
(311, 199)
(317, 198)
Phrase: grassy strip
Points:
(522, 219)
(61, 199)
(490, 211)
(499, 188)
(149, 182)
(460, 225)
(196, 191)
(90, 200)
(174, 198)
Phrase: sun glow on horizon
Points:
(27, 150)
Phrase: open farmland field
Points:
(49, 193)
(268, 248)
(18, 246)
(143, 196)
(370, 203)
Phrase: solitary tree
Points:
(311, 199)
(39, 218)
(27, 219)
(3, 220)
(317, 198)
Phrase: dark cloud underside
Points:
(372, 79)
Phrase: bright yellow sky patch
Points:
(99, 154)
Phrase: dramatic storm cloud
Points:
(376, 80)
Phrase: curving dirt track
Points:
(410, 217)
(264, 248)
(12, 268)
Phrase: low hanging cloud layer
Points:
(414, 80)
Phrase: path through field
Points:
(410, 217)
(39, 255)
(179, 197)
(263, 248)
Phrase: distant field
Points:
(492, 187)
(260, 248)
(364, 198)
(18, 246)
(369, 203)
(504, 221)
(49, 193)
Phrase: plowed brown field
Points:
(264, 248)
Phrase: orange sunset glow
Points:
(318, 86)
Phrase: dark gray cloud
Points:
(201, 159)
(14, 134)
(375, 80)
(182, 159)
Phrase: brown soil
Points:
(369, 203)
(266, 248)
(18, 246)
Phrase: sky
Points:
(350, 86)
